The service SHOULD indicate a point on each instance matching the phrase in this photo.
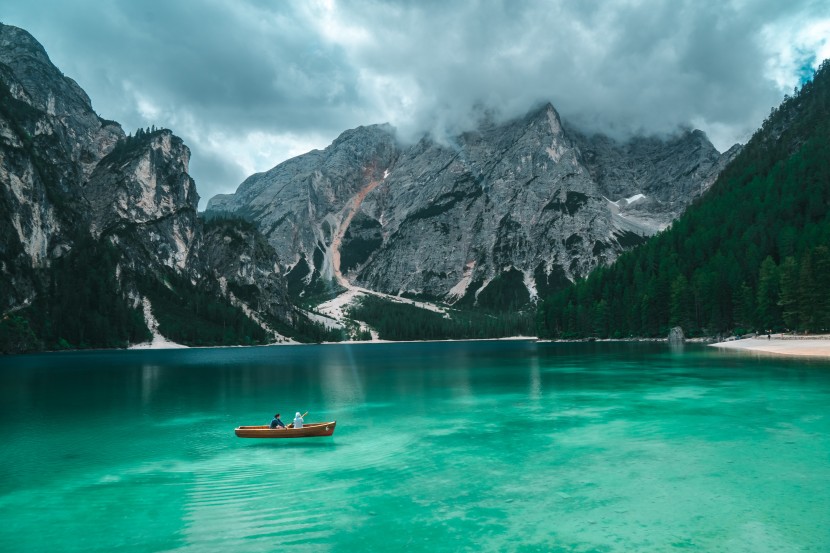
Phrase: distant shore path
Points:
(801, 346)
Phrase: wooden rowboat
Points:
(309, 430)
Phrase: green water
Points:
(483, 446)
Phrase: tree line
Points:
(402, 321)
(78, 303)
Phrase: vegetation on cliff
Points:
(80, 303)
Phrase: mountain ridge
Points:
(102, 244)
(429, 190)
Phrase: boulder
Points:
(676, 335)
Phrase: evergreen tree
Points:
(788, 293)
(808, 295)
(744, 307)
(821, 262)
(768, 311)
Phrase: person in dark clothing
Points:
(276, 422)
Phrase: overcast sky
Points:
(248, 84)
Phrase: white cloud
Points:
(793, 46)
(255, 152)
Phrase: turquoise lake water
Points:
(476, 446)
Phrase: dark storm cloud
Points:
(631, 66)
(213, 72)
(234, 63)
(248, 84)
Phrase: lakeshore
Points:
(777, 344)
(782, 344)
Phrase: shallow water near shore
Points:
(460, 446)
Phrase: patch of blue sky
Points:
(807, 68)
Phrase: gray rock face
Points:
(66, 125)
(676, 335)
(65, 172)
(50, 141)
(669, 173)
(508, 197)
(246, 267)
(301, 205)
(524, 206)
(142, 190)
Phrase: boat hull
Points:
(310, 430)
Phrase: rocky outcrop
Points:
(142, 190)
(651, 180)
(304, 205)
(50, 142)
(236, 255)
(676, 335)
(523, 207)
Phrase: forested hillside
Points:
(752, 254)
(400, 321)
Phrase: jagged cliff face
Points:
(50, 142)
(247, 270)
(304, 205)
(668, 174)
(66, 173)
(525, 206)
(143, 191)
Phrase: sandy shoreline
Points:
(782, 344)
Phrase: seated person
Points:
(298, 420)
(276, 422)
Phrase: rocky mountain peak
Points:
(17, 46)
(661, 174)
(364, 134)
(523, 205)
(39, 82)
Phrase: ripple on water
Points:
(264, 492)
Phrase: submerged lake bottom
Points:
(456, 446)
